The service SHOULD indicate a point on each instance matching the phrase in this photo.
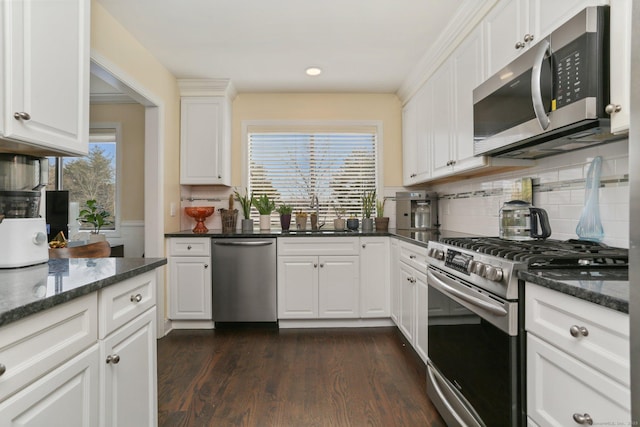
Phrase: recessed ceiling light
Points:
(313, 71)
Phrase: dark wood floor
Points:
(287, 377)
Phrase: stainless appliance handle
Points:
(250, 243)
(437, 280)
(536, 91)
(448, 398)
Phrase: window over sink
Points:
(292, 163)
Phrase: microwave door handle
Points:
(536, 91)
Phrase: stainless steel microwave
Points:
(552, 98)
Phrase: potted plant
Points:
(246, 202)
(368, 203)
(265, 206)
(382, 222)
(301, 220)
(285, 216)
(339, 221)
(97, 216)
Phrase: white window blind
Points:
(291, 167)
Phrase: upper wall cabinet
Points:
(205, 132)
(44, 70)
(417, 137)
(512, 27)
(620, 74)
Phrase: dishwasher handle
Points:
(251, 243)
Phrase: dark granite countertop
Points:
(606, 287)
(28, 290)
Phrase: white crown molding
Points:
(207, 87)
(465, 20)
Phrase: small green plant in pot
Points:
(368, 204)
(285, 216)
(246, 202)
(339, 222)
(382, 222)
(265, 206)
(96, 215)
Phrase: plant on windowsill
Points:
(368, 204)
(301, 220)
(382, 222)
(246, 202)
(97, 216)
(339, 221)
(285, 216)
(265, 206)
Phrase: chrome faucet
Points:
(315, 204)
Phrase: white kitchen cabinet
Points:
(620, 64)
(312, 287)
(205, 140)
(129, 390)
(374, 277)
(417, 135)
(67, 396)
(512, 27)
(45, 77)
(577, 359)
(408, 294)
(190, 283)
(443, 127)
(410, 142)
(318, 277)
(394, 280)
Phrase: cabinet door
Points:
(407, 301)
(424, 137)
(128, 368)
(410, 142)
(559, 386)
(203, 141)
(339, 287)
(442, 125)
(297, 287)
(395, 281)
(48, 79)
(190, 288)
(374, 277)
(67, 396)
(504, 26)
(620, 64)
(422, 316)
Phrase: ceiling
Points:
(266, 45)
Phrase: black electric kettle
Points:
(519, 220)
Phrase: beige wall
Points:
(264, 106)
(111, 41)
(131, 120)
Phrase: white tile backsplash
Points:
(479, 214)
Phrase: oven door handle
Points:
(437, 280)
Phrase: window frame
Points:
(327, 126)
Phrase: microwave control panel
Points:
(573, 68)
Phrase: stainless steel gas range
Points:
(476, 366)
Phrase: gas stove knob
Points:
(438, 254)
(478, 268)
(471, 268)
(493, 273)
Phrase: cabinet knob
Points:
(206, 266)
(315, 265)
(528, 38)
(364, 245)
(113, 359)
(3, 369)
(412, 257)
(612, 108)
(583, 419)
(321, 265)
(21, 116)
(520, 45)
(136, 298)
(577, 331)
(188, 247)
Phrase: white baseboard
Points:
(334, 323)
(192, 324)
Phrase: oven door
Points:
(474, 369)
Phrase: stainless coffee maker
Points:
(23, 231)
(416, 210)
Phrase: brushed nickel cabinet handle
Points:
(577, 331)
(528, 38)
(584, 419)
(3, 369)
(612, 108)
(113, 359)
(21, 116)
(519, 45)
(136, 298)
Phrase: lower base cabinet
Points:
(67, 396)
(129, 374)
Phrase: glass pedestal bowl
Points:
(200, 214)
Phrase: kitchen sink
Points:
(318, 232)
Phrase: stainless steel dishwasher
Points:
(244, 279)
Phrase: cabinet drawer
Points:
(187, 246)
(36, 344)
(318, 246)
(559, 386)
(551, 315)
(414, 255)
(124, 301)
